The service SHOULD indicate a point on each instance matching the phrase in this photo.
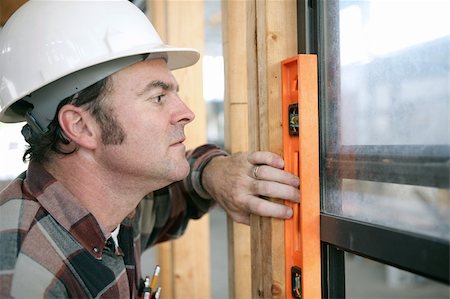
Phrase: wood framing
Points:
(236, 136)
(272, 37)
(185, 262)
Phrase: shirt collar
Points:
(66, 209)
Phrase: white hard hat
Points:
(50, 49)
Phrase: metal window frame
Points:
(417, 165)
(423, 255)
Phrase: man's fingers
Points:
(267, 158)
(275, 190)
(267, 208)
(268, 173)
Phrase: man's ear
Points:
(78, 126)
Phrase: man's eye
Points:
(158, 98)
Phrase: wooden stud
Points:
(236, 136)
(272, 37)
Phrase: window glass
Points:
(414, 208)
(386, 114)
(366, 279)
(394, 58)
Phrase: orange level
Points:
(301, 154)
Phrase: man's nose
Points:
(183, 113)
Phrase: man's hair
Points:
(43, 146)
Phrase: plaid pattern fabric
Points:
(51, 247)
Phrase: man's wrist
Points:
(201, 169)
(207, 176)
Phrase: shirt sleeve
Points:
(179, 202)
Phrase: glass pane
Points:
(366, 279)
(386, 119)
(386, 112)
(413, 208)
(394, 72)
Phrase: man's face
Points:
(144, 102)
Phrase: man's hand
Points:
(240, 182)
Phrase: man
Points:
(108, 176)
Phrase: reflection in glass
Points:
(386, 113)
(395, 72)
(413, 208)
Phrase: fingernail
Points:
(289, 213)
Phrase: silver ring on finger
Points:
(255, 172)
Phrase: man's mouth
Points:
(180, 141)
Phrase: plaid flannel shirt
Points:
(51, 247)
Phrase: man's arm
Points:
(233, 181)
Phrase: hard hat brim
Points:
(178, 58)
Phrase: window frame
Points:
(416, 253)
